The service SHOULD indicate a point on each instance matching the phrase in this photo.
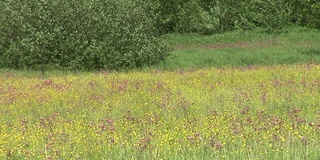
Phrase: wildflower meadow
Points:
(253, 112)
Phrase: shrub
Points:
(193, 18)
(272, 14)
(306, 13)
(86, 34)
(183, 16)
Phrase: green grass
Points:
(265, 110)
(243, 48)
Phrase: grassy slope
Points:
(243, 48)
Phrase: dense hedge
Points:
(73, 34)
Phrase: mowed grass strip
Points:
(255, 112)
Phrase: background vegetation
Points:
(96, 34)
(209, 17)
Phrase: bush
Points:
(306, 13)
(248, 14)
(183, 16)
(193, 18)
(87, 35)
(272, 14)
(166, 14)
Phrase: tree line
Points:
(214, 16)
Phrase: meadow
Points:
(214, 113)
(208, 102)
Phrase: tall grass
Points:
(227, 113)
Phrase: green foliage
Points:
(230, 14)
(87, 35)
(207, 16)
(184, 16)
(248, 14)
(193, 18)
(166, 18)
(307, 13)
